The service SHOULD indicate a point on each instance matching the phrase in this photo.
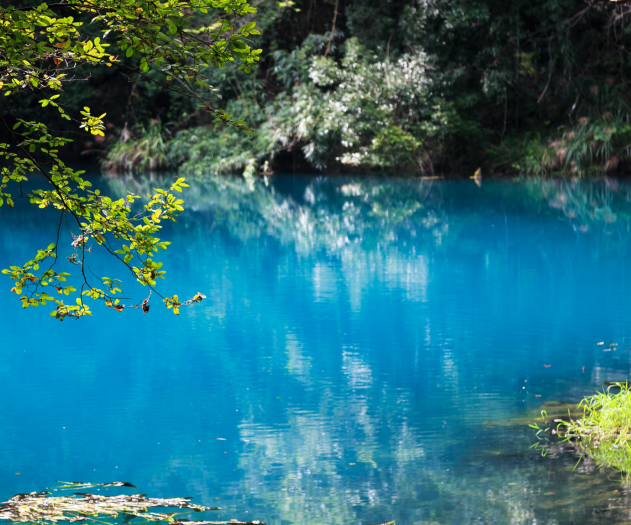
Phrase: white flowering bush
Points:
(358, 111)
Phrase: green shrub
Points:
(604, 431)
(143, 149)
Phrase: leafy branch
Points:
(38, 49)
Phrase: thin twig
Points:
(328, 46)
(388, 58)
(549, 72)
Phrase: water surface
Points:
(364, 348)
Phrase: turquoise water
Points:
(363, 350)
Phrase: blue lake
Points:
(362, 354)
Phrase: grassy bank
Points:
(600, 431)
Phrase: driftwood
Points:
(43, 507)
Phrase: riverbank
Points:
(356, 86)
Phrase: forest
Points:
(244, 261)
(418, 86)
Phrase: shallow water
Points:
(364, 349)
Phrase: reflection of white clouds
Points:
(298, 365)
(304, 457)
(408, 448)
(408, 272)
(309, 455)
(358, 373)
(519, 507)
(324, 281)
(309, 196)
(351, 190)
(449, 368)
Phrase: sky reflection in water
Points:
(361, 352)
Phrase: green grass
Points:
(142, 150)
(604, 431)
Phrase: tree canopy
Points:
(43, 49)
(418, 86)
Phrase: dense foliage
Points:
(414, 85)
(44, 49)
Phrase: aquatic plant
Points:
(601, 433)
(43, 507)
(604, 431)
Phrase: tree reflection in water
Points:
(420, 433)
